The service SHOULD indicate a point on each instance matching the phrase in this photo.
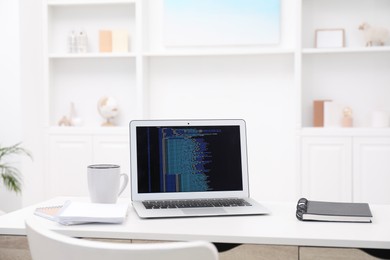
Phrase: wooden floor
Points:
(16, 248)
(263, 252)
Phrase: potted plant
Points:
(10, 175)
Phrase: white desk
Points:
(279, 228)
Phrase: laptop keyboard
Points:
(200, 203)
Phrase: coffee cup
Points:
(104, 182)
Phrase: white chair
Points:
(49, 245)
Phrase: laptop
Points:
(190, 168)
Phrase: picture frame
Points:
(192, 23)
(329, 38)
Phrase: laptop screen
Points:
(188, 159)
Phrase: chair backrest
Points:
(49, 245)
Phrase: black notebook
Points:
(333, 211)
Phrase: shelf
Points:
(167, 54)
(90, 55)
(346, 50)
(89, 2)
(346, 132)
(74, 130)
(273, 51)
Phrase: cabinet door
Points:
(372, 170)
(69, 157)
(113, 150)
(327, 168)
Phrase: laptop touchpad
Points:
(203, 211)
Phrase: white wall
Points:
(10, 105)
(32, 98)
(21, 100)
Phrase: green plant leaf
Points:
(11, 178)
(10, 175)
(14, 149)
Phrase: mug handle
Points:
(124, 184)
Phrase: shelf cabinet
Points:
(354, 76)
(355, 80)
(66, 175)
(69, 156)
(371, 167)
(272, 87)
(326, 168)
(84, 81)
(346, 14)
(346, 168)
(344, 164)
(84, 78)
(90, 17)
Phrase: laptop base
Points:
(255, 209)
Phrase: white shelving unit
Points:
(354, 75)
(335, 162)
(144, 20)
(272, 86)
(83, 78)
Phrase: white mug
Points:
(104, 182)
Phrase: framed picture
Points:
(330, 38)
(221, 23)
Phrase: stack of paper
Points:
(73, 212)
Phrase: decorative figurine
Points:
(64, 121)
(72, 119)
(347, 117)
(374, 35)
(108, 109)
(72, 44)
(82, 42)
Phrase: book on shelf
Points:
(318, 112)
(309, 210)
(74, 212)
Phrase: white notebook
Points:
(74, 212)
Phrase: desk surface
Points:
(279, 228)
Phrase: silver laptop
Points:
(186, 168)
